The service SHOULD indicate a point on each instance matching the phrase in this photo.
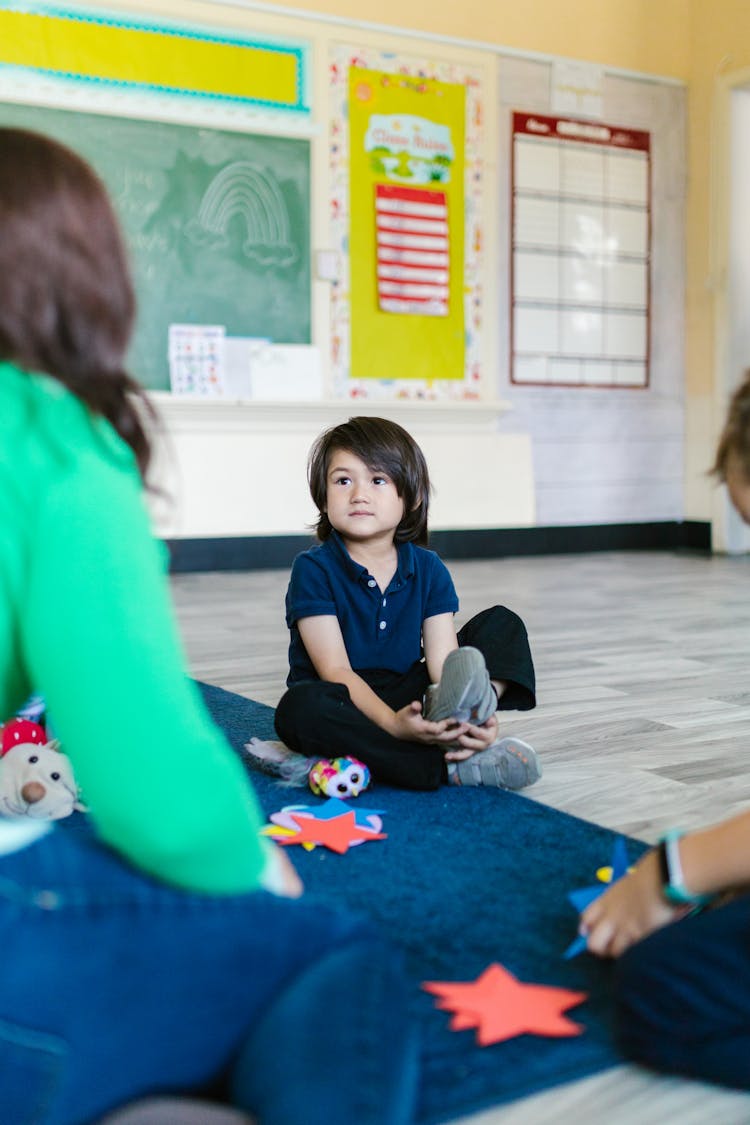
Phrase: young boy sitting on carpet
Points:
(363, 608)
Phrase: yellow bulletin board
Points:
(79, 47)
(407, 229)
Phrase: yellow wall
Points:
(646, 35)
(719, 47)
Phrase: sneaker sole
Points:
(507, 764)
(475, 678)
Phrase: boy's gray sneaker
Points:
(507, 764)
(464, 692)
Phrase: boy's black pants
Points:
(318, 719)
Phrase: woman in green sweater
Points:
(165, 952)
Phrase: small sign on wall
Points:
(196, 359)
(577, 89)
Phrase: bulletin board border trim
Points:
(282, 96)
(342, 58)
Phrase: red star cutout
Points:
(500, 1007)
(336, 833)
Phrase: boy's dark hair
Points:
(734, 443)
(66, 299)
(382, 445)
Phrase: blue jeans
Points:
(114, 986)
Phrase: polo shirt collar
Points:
(405, 566)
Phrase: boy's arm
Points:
(325, 646)
(324, 642)
(438, 639)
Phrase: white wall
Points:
(603, 455)
(233, 470)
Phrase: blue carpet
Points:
(466, 877)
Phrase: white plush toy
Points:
(36, 778)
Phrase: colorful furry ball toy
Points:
(339, 777)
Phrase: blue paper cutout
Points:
(583, 896)
(335, 806)
(576, 946)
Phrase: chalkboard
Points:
(217, 224)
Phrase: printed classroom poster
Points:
(406, 185)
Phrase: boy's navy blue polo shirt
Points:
(380, 630)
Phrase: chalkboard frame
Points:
(267, 182)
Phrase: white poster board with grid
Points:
(581, 248)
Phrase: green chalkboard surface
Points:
(217, 224)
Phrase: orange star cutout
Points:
(500, 1007)
(337, 832)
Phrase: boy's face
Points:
(738, 487)
(362, 504)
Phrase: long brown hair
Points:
(734, 442)
(380, 444)
(67, 304)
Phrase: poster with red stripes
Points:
(413, 250)
(407, 231)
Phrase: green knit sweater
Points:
(86, 619)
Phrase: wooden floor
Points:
(642, 723)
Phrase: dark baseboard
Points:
(276, 552)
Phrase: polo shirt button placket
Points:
(383, 622)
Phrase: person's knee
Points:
(305, 706)
(509, 617)
(359, 991)
(491, 623)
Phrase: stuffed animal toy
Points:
(331, 777)
(339, 777)
(36, 778)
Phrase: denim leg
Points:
(114, 986)
(290, 1069)
(318, 719)
(683, 997)
(501, 637)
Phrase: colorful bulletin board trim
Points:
(406, 184)
(581, 284)
(84, 47)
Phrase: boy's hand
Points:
(410, 725)
(473, 740)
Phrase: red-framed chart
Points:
(580, 253)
